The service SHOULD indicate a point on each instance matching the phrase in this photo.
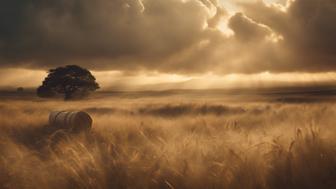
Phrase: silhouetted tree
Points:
(71, 81)
(45, 92)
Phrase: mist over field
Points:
(171, 141)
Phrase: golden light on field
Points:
(167, 94)
(184, 141)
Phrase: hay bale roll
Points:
(75, 121)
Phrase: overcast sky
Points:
(154, 41)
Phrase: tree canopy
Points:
(71, 81)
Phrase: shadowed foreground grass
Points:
(170, 145)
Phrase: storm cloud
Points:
(175, 36)
(49, 32)
(308, 29)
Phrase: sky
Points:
(129, 44)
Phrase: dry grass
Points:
(170, 143)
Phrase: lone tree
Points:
(71, 81)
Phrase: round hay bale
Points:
(74, 121)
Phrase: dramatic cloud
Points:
(101, 32)
(308, 29)
(246, 29)
(173, 36)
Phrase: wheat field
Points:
(170, 142)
